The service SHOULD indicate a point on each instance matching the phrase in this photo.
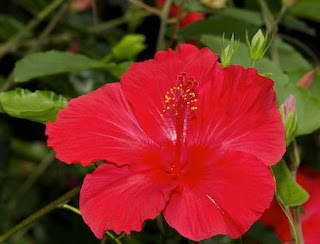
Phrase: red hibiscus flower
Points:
(310, 221)
(187, 18)
(185, 136)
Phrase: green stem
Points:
(253, 63)
(71, 208)
(295, 157)
(305, 48)
(175, 36)
(54, 21)
(145, 7)
(113, 238)
(46, 161)
(272, 27)
(102, 27)
(49, 28)
(299, 239)
(45, 210)
(163, 25)
(287, 212)
(11, 44)
(77, 211)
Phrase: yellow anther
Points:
(161, 115)
(168, 107)
(195, 100)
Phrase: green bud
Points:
(289, 119)
(228, 52)
(258, 46)
(289, 2)
(129, 46)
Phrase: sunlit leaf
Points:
(39, 106)
(288, 191)
(307, 9)
(50, 63)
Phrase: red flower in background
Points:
(185, 136)
(187, 18)
(275, 218)
(81, 5)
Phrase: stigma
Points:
(182, 98)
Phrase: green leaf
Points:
(308, 106)
(230, 20)
(293, 23)
(195, 6)
(307, 9)
(118, 69)
(50, 63)
(39, 106)
(290, 59)
(8, 26)
(288, 191)
(129, 46)
(34, 6)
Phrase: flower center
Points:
(181, 99)
(180, 102)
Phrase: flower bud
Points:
(228, 52)
(214, 4)
(81, 5)
(129, 46)
(289, 2)
(258, 46)
(289, 118)
(307, 80)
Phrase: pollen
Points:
(181, 99)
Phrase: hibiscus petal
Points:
(238, 111)
(98, 126)
(227, 195)
(114, 198)
(145, 85)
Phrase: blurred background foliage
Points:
(55, 50)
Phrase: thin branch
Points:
(296, 212)
(177, 25)
(102, 27)
(163, 25)
(77, 211)
(43, 211)
(45, 162)
(11, 44)
(146, 7)
(50, 27)
(302, 46)
(95, 15)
